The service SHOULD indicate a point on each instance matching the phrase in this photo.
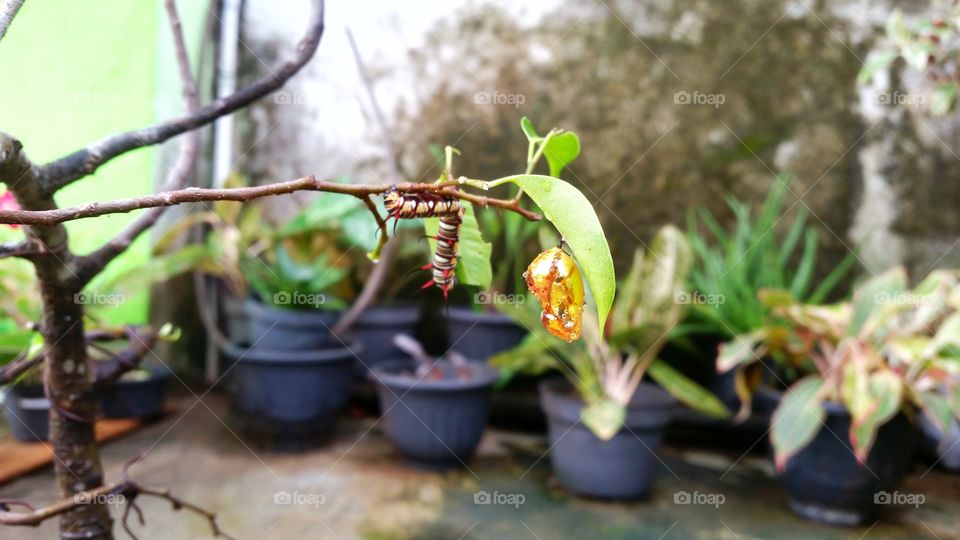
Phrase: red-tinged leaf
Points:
(797, 420)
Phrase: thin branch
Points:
(83, 162)
(125, 488)
(129, 490)
(24, 250)
(8, 10)
(140, 343)
(381, 224)
(19, 366)
(92, 264)
(242, 194)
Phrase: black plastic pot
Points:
(623, 467)
(942, 447)
(273, 329)
(436, 423)
(825, 482)
(136, 397)
(290, 400)
(480, 335)
(376, 328)
(27, 412)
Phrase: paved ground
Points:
(356, 488)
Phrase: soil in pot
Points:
(291, 400)
(140, 393)
(480, 335)
(825, 482)
(435, 421)
(27, 412)
(273, 329)
(623, 467)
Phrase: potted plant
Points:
(434, 410)
(375, 327)
(730, 268)
(842, 433)
(605, 421)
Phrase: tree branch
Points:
(61, 172)
(25, 249)
(242, 194)
(125, 488)
(92, 264)
(8, 10)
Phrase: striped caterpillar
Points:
(450, 212)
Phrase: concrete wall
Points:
(678, 103)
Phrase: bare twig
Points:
(126, 488)
(192, 194)
(83, 162)
(8, 10)
(20, 365)
(90, 265)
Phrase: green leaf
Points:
(937, 409)
(874, 295)
(876, 62)
(561, 150)
(572, 214)
(687, 391)
(473, 252)
(604, 418)
(885, 393)
(943, 98)
(739, 351)
(797, 420)
(529, 130)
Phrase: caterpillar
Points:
(444, 261)
(411, 206)
(450, 211)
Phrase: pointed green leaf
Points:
(797, 420)
(531, 132)
(885, 393)
(688, 392)
(572, 214)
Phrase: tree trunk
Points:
(67, 373)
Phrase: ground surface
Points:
(357, 488)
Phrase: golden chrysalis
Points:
(553, 277)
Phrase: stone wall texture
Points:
(679, 103)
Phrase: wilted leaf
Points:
(604, 418)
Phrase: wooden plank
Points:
(18, 458)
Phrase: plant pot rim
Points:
(560, 400)
(292, 317)
(157, 374)
(468, 315)
(244, 355)
(385, 373)
(390, 315)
